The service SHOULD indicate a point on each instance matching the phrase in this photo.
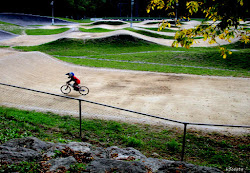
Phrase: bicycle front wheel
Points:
(83, 90)
(65, 89)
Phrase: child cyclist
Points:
(75, 79)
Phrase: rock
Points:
(179, 166)
(124, 153)
(28, 142)
(99, 153)
(61, 162)
(155, 154)
(99, 160)
(108, 165)
(24, 149)
(155, 164)
(18, 154)
(79, 146)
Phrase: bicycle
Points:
(66, 89)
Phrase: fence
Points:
(51, 105)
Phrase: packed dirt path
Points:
(190, 98)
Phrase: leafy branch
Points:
(225, 16)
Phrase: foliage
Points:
(163, 30)
(73, 9)
(224, 16)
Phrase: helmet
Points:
(70, 74)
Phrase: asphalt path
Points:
(4, 35)
(26, 19)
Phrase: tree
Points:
(222, 20)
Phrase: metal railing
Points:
(131, 111)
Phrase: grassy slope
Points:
(95, 30)
(130, 53)
(45, 31)
(210, 149)
(15, 29)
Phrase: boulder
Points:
(29, 143)
(18, 154)
(59, 156)
(179, 166)
(24, 149)
(108, 165)
(124, 153)
(60, 163)
(79, 146)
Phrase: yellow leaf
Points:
(241, 2)
(222, 36)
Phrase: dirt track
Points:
(191, 98)
(32, 40)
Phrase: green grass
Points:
(111, 45)
(208, 149)
(4, 46)
(95, 30)
(45, 31)
(15, 29)
(127, 52)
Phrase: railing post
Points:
(184, 142)
(80, 118)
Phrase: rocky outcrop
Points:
(98, 160)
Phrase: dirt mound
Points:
(190, 98)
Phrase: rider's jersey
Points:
(75, 79)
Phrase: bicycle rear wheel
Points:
(83, 90)
(65, 89)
